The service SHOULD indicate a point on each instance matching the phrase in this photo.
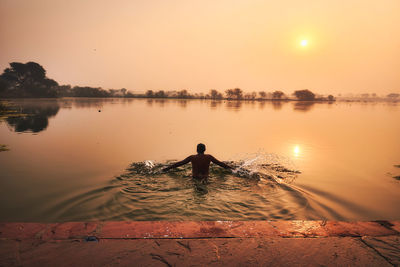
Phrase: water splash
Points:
(262, 165)
(259, 166)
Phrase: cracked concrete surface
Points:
(246, 243)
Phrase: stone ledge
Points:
(197, 229)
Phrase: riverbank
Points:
(164, 243)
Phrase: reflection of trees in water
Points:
(97, 102)
(160, 102)
(215, 104)
(157, 102)
(303, 106)
(182, 103)
(261, 105)
(277, 105)
(35, 116)
(233, 105)
(250, 103)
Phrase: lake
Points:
(85, 159)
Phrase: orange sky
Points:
(354, 45)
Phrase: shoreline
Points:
(167, 243)
(211, 99)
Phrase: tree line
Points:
(237, 94)
(30, 80)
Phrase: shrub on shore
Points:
(304, 95)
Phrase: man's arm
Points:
(220, 163)
(179, 163)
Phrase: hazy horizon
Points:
(351, 46)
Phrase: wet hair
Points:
(201, 148)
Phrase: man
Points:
(200, 163)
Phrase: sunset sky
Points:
(350, 46)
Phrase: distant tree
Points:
(129, 94)
(250, 96)
(214, 94)
(278, 95)
(304, 94)
(27, 80)
(229, 93)
(201, 95)
(183, 94)
(149, 93)
(3, 84)
(262, 94)
(160, 94)
(236, 93)
(365, 95)
(331, 98)
(113, 92)
(64, 90)
(86, 91)
(393, 95)
(123, 91)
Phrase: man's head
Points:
(201, 148)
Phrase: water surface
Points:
(71, 159)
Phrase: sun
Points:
(304, 42)
(296, 151)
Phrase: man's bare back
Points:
(200, 163)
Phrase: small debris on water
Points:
(3, 148)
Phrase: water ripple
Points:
(258, 188)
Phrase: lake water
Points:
(85, 159)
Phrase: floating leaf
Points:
(4, 148)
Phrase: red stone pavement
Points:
(194, 243)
